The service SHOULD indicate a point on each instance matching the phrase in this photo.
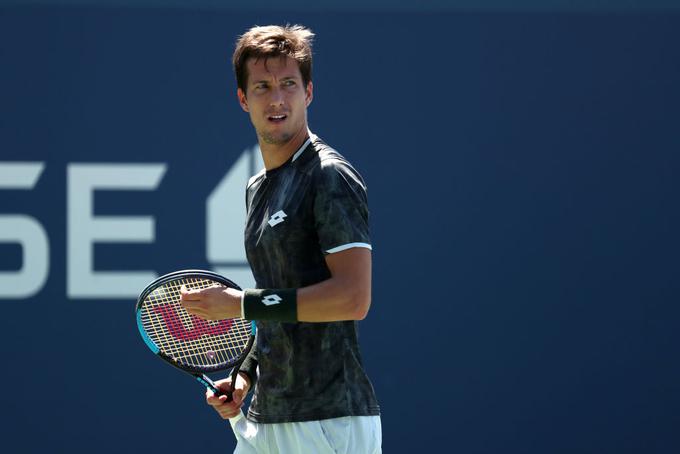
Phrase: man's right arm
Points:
(249, 365)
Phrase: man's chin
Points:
(276, 139)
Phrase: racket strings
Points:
(207, 347)
(187, 339)
(198, 349)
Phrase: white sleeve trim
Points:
(243, 295)
(344, 247)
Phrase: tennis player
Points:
(307, 242)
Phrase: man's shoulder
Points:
(328, 156)
(328, 160)
(331, 167)
(255, 178)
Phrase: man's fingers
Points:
(193, 309)
(226, 410)
(213, 399)
(216, 401)
(190, 295)
(193, 304)
(229, 409)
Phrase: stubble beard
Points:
(275, 139)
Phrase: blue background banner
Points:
(523, 182)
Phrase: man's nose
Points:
(276, 98)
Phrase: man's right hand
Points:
(231, 409)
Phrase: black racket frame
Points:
(197, 372)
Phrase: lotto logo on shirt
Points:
(277, 218)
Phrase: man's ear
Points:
(309, 93)
(242, 100)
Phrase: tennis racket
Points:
(190, 343)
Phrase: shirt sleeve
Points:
(341, 208)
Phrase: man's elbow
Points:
(360, 305)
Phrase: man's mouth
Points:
(277, 118)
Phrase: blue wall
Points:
(522, 173)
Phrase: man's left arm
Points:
(346, 295)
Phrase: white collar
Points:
(304, 145)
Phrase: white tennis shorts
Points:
(347, 435)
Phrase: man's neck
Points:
(275, 155)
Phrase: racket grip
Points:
(208, 383)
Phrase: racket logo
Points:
(201, 327)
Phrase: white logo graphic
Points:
(270, 300)
(277, 218)
(84, 229)
(226, 216)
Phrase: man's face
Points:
(276, 99)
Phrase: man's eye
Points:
(289, 83)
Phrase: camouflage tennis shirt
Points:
(313, 205)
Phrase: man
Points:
(307, 242)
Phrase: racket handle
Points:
(208, 383)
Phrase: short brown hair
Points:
(294, 41)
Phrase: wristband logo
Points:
(271, 300)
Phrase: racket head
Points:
(188, 342)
